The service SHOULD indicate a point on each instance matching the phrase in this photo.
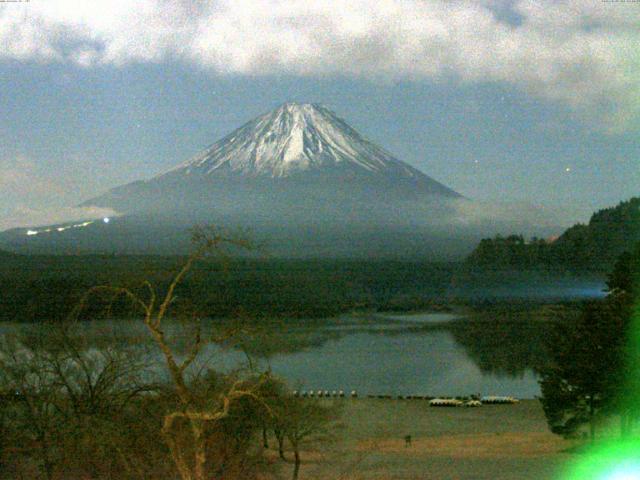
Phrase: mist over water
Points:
(558, 290)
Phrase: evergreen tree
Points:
(624, 279)
(596, 359)
(624, 291)
(586, 365)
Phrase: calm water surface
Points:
(428, 354)
(427, 363)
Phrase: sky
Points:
(523, 104)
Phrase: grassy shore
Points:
(488, 442)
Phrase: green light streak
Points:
(607, 461)
(617, 459)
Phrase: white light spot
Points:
(32, 232)
(106, 220)
(626, 471)
(568, 169)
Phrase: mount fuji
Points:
(296, 145)
(299, 177)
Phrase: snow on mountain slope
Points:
(293, 139)
(297, 154)
(298, 168)
(303, 180)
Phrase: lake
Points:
(429, 354)
(400, 359)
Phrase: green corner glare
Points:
(611, 461)
(624, 473)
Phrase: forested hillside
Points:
(582, 248)
(38, 287)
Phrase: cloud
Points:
(30, 197)
(581, 53)
(20, 176)
(23, 217)
(496, 217)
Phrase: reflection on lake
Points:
(428, 354)
(428, 363)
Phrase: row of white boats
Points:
(433, 402)
(489, 400)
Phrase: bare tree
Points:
(302, 422)
(30, 394)
(63, 396)
(193, 414)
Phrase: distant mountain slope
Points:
(592, 247)
(296, 156)
(301, 178)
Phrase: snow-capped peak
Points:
(291, 139)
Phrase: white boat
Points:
(445, 402)
(496, 399)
